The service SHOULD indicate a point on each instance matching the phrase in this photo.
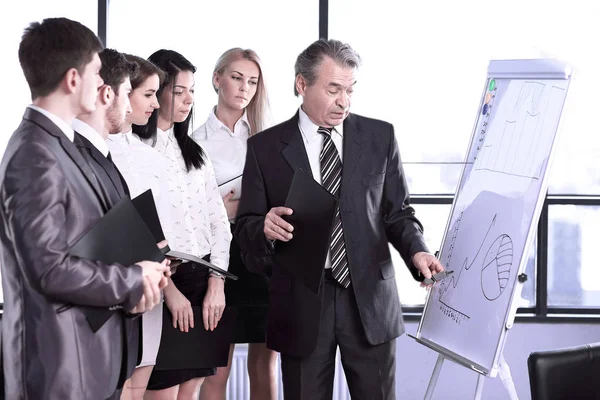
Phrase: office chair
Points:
(571, 373)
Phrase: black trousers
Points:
(370, 370)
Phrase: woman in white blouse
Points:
(240, 112)
(200, 223)
(143, 168)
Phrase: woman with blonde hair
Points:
(241, 112)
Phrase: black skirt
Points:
(250, 295)
(192, 282)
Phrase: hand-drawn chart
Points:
(495, 269)
(495, 211)
(513, 147)
(497, 264)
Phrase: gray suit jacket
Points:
(49, 197)
(375, 211)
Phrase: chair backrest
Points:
(571, 373)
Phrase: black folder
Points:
(146, 207)
(120, 236)
(314, 209)
(197, 348)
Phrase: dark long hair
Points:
(145, 70)
(171, 63)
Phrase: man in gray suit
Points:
(49, 197)
(357, 160)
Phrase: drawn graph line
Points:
(496, 267)
(533, 92)
(508, 173)
(509, 127)
(515, 154)
(453, 239)
(448, 310)
(453, 313)
(554, 91)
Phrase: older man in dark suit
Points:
(49, 198)
(357, 160)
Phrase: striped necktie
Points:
(331, 176)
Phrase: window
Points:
(203, 30)
(16, 92)
(424, 68)
(573, 273)
(425, 64)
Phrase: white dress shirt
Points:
(62, 125)
(313, 142)
(92, 135)
(199, 218)
(226, 149)
(143, 168)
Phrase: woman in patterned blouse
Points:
(199, 222)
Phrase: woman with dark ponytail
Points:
(199, 222)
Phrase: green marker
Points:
(492, 84)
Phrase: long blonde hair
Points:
(258, 108)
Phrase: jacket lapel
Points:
(70, 150)
(352, 147)
(106, 165)
(294, 151)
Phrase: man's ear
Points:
(71, 80)
(301, 84)
(106, 95)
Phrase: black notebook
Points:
(120, 236)
(314, 209)
(197, 348)
(146, 207)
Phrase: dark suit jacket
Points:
(105, 170)
(49, 197)
(374, 204)
(115, 186)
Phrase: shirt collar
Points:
(121, 137)
(242, 126)
(62, 125)
(92, 135)
(309, 128)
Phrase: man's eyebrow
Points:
(337, 85)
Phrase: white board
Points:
(495, 212)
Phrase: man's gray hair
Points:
(310, 59)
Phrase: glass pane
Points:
(425, 64)
(203, 30)
(434, 219)
(434, 178)
(14, 22)
(573, 273)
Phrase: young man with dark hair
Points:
(49, 197)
